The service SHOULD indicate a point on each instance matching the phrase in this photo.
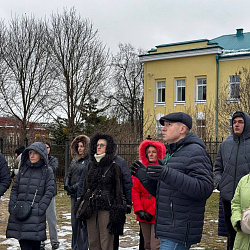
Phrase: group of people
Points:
(168, 189)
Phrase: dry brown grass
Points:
(210, 239)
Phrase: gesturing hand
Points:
(139, 171)
(157, 172)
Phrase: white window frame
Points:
(201, 83)
(160, 92)
(234, 80)
(182, 85)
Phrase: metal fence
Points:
(127, 150)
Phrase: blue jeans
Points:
(171, 245)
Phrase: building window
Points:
(160, 85)
(201, 91)
(201, 125)
(234, 87)
(180, 90)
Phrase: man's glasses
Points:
(101, 145)
(240, 122)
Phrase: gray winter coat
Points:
(31, 177)
(233, 161)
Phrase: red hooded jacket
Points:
(141, 198)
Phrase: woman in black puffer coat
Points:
(103, 184)
(34, 174)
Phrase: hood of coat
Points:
(246, 131)
(111, 148)
(74, 147)
(160, 148)
(40, 148)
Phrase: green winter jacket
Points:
(240, 202)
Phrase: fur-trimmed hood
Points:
(74, 145)
(160, 148)
(111, 149)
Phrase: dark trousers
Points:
(231, 233)
(30, 244)
(141, 243)
(116, 242)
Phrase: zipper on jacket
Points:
(236, 166)
(187, 232)
(172, 212)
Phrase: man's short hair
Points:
(237, 114)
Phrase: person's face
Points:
(101, 146)
(238, 125)
(80, 148)
(48, 148)
(172, 132)
(16, 155)
(152, 154)
(34, 156)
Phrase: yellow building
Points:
(191, 76)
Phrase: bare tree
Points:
(81, 64)
(240, 102)
(127, 82)
(25, 73)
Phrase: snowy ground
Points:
(129, 241)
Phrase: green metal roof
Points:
(236, 41)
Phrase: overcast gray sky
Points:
(145, 23)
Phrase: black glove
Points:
(69, 189)
(129, 208)
(139, 171)
(141, 215)
(238, 226)
(157, 172)
(148, 216)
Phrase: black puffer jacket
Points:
(78, 163)
(181, 196)
(233, 161)
(104, 178)
(31, 177)
(4, 176)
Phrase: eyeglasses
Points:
(101, 145)
(240, 122)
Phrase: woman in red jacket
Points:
(144, 203)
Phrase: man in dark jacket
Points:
(4, 176)
(232, 163)
(181, 184)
